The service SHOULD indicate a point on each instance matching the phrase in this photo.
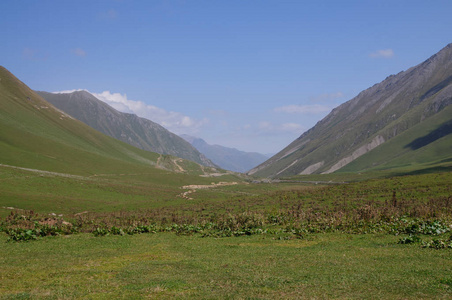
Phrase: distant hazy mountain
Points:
(406, 120)
(227, 158)
(129, 128)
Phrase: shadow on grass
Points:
(436, 169)
(436, 134)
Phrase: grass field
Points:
(381, 238)
(167, 266)
(61, 194)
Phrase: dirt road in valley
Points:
(192, 188)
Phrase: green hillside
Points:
(34, 134)
(426, 144)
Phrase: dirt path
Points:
(208, 186)
(175, 161)
(45, 172)
(157, 164)
(194, 187)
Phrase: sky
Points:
(252, 75)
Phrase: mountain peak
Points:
(84, 93)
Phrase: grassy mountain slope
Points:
(34, 134)
(129, 128)
(424, 144)
(411, 99)
(227, 158)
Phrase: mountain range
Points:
(129, 128)
(147, 135)
(406, 120)
(225, 157)
(34, 134)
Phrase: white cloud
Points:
(266, 127)
(327, 97)
(383, 53)
(68, 91)
(291, 127)
(303, 109)
(79, 52)
(173, 121)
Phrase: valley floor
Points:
(167, 266)
(134, 236)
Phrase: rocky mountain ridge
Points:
(136, 131)
(369, 120)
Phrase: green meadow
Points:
(134, 236)
(167, 266)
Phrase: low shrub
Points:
(411, 239)
(437, 244)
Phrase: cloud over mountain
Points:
(174, 121)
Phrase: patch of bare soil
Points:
(192, 188)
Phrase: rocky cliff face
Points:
(363, 124)
(129, 128)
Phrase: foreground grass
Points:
(259, 241)
(164, 265)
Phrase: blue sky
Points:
(253, 75)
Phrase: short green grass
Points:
(161, 189)
(166, 266)
(49, 193)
